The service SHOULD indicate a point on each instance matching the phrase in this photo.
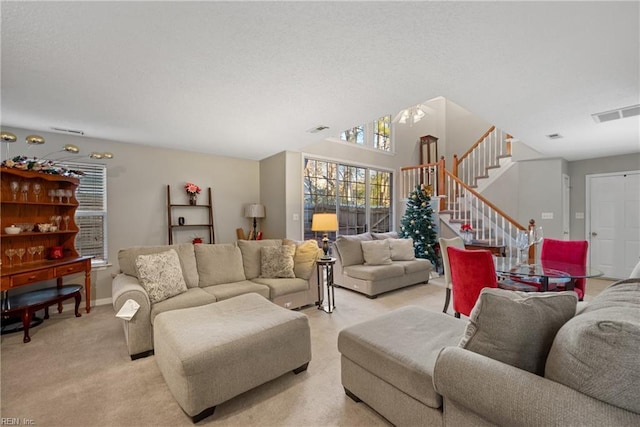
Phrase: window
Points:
(91, 215)
(376, 135)
(360, 196)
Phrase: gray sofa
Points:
(563, 369)
(211, 273)
(352, 271)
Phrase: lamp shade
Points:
(324, 222)
(254, 210)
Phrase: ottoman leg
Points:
(301, 368)
(202, 415)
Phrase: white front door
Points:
(613, 228)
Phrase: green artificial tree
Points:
(417, 223)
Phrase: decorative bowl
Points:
(12, 230)
(44, 227)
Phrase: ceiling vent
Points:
(620, 113)
(554, 136)
(318, 128)
(71, 131)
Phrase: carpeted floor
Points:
(76, 372)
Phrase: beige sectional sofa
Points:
(363, 266)
(212, 273)
(522, 359)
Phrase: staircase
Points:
(461, 201)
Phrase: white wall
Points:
(136, 183)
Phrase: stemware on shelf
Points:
(40, 250)
(57, 219)
(37, 188)
(32, 251)
(20, 252)
(66, 219)
(68, 194)
(60, 194)
(52, 194)
(15, 187)
(10, 253)
(24, 187)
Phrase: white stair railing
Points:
(427, 174)
(482, 156)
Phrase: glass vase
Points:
(193, 199)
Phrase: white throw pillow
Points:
(376, 252)
(402, 249)
(277, 261)
(160, 275)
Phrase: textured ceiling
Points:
(248, 79)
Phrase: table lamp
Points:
(325, 222)
(254, 211)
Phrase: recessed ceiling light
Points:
(71, 131)
(620, 113)
(318, 128)
(554, 136)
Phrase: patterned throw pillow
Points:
(277, 261)
(160, 275)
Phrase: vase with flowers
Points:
(192, 191)
(467, 233)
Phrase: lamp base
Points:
(325, 247)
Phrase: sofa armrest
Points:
(138, 332)
(505, 395)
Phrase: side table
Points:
(325, 276)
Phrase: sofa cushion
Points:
(192, 298)
(277, 261)
(279, 287)
(160, 275)
(402, 249)
(517, 328)
(401, 348)
(415, 266)
(596, 352)
(350, 249)
(307, 252)
(376, 252)
(218, 263)
(127, 260)
(230, 290)
(387, 235)
(251, 255)
(374, 272)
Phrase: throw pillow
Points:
(402, 249)
(160, 275)
(304, 258)
(376, 252)
(387, 235)
(350, 250)
(517, 328)
(277, 261)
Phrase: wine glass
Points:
(60, 194)
(37, 188)
(68, 194)
(52, 194)
(57, 219)
(10, 253)
(522, 243)
(536, 235)
(25, 190)
(66, 219)
(20, 252)
(15, 186)
(40, 250)
(32, 251)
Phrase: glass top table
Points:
(544, 271)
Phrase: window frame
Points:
(369, 135)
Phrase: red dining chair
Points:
(569, 251)
(471, 271)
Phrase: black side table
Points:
(325, 266)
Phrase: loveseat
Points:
(521, 359)
(374, 263)
(281, 270)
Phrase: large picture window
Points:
(360, 196)
(91, 215)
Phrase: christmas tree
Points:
(417, 223)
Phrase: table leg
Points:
(87, 289)
(78, 298)
(59, 285)
(26, 321)
(544, 282)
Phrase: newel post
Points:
(454, 170)
(442, 189)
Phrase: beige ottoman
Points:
(211, 353)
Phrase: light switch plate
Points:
(547, 215)
(579, 215)
(296, 217)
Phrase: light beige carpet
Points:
(76, 372)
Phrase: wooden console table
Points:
(494, 248)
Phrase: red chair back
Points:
(471, 270)
(569, 251)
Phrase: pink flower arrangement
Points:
(466, 227)
(192, 188)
